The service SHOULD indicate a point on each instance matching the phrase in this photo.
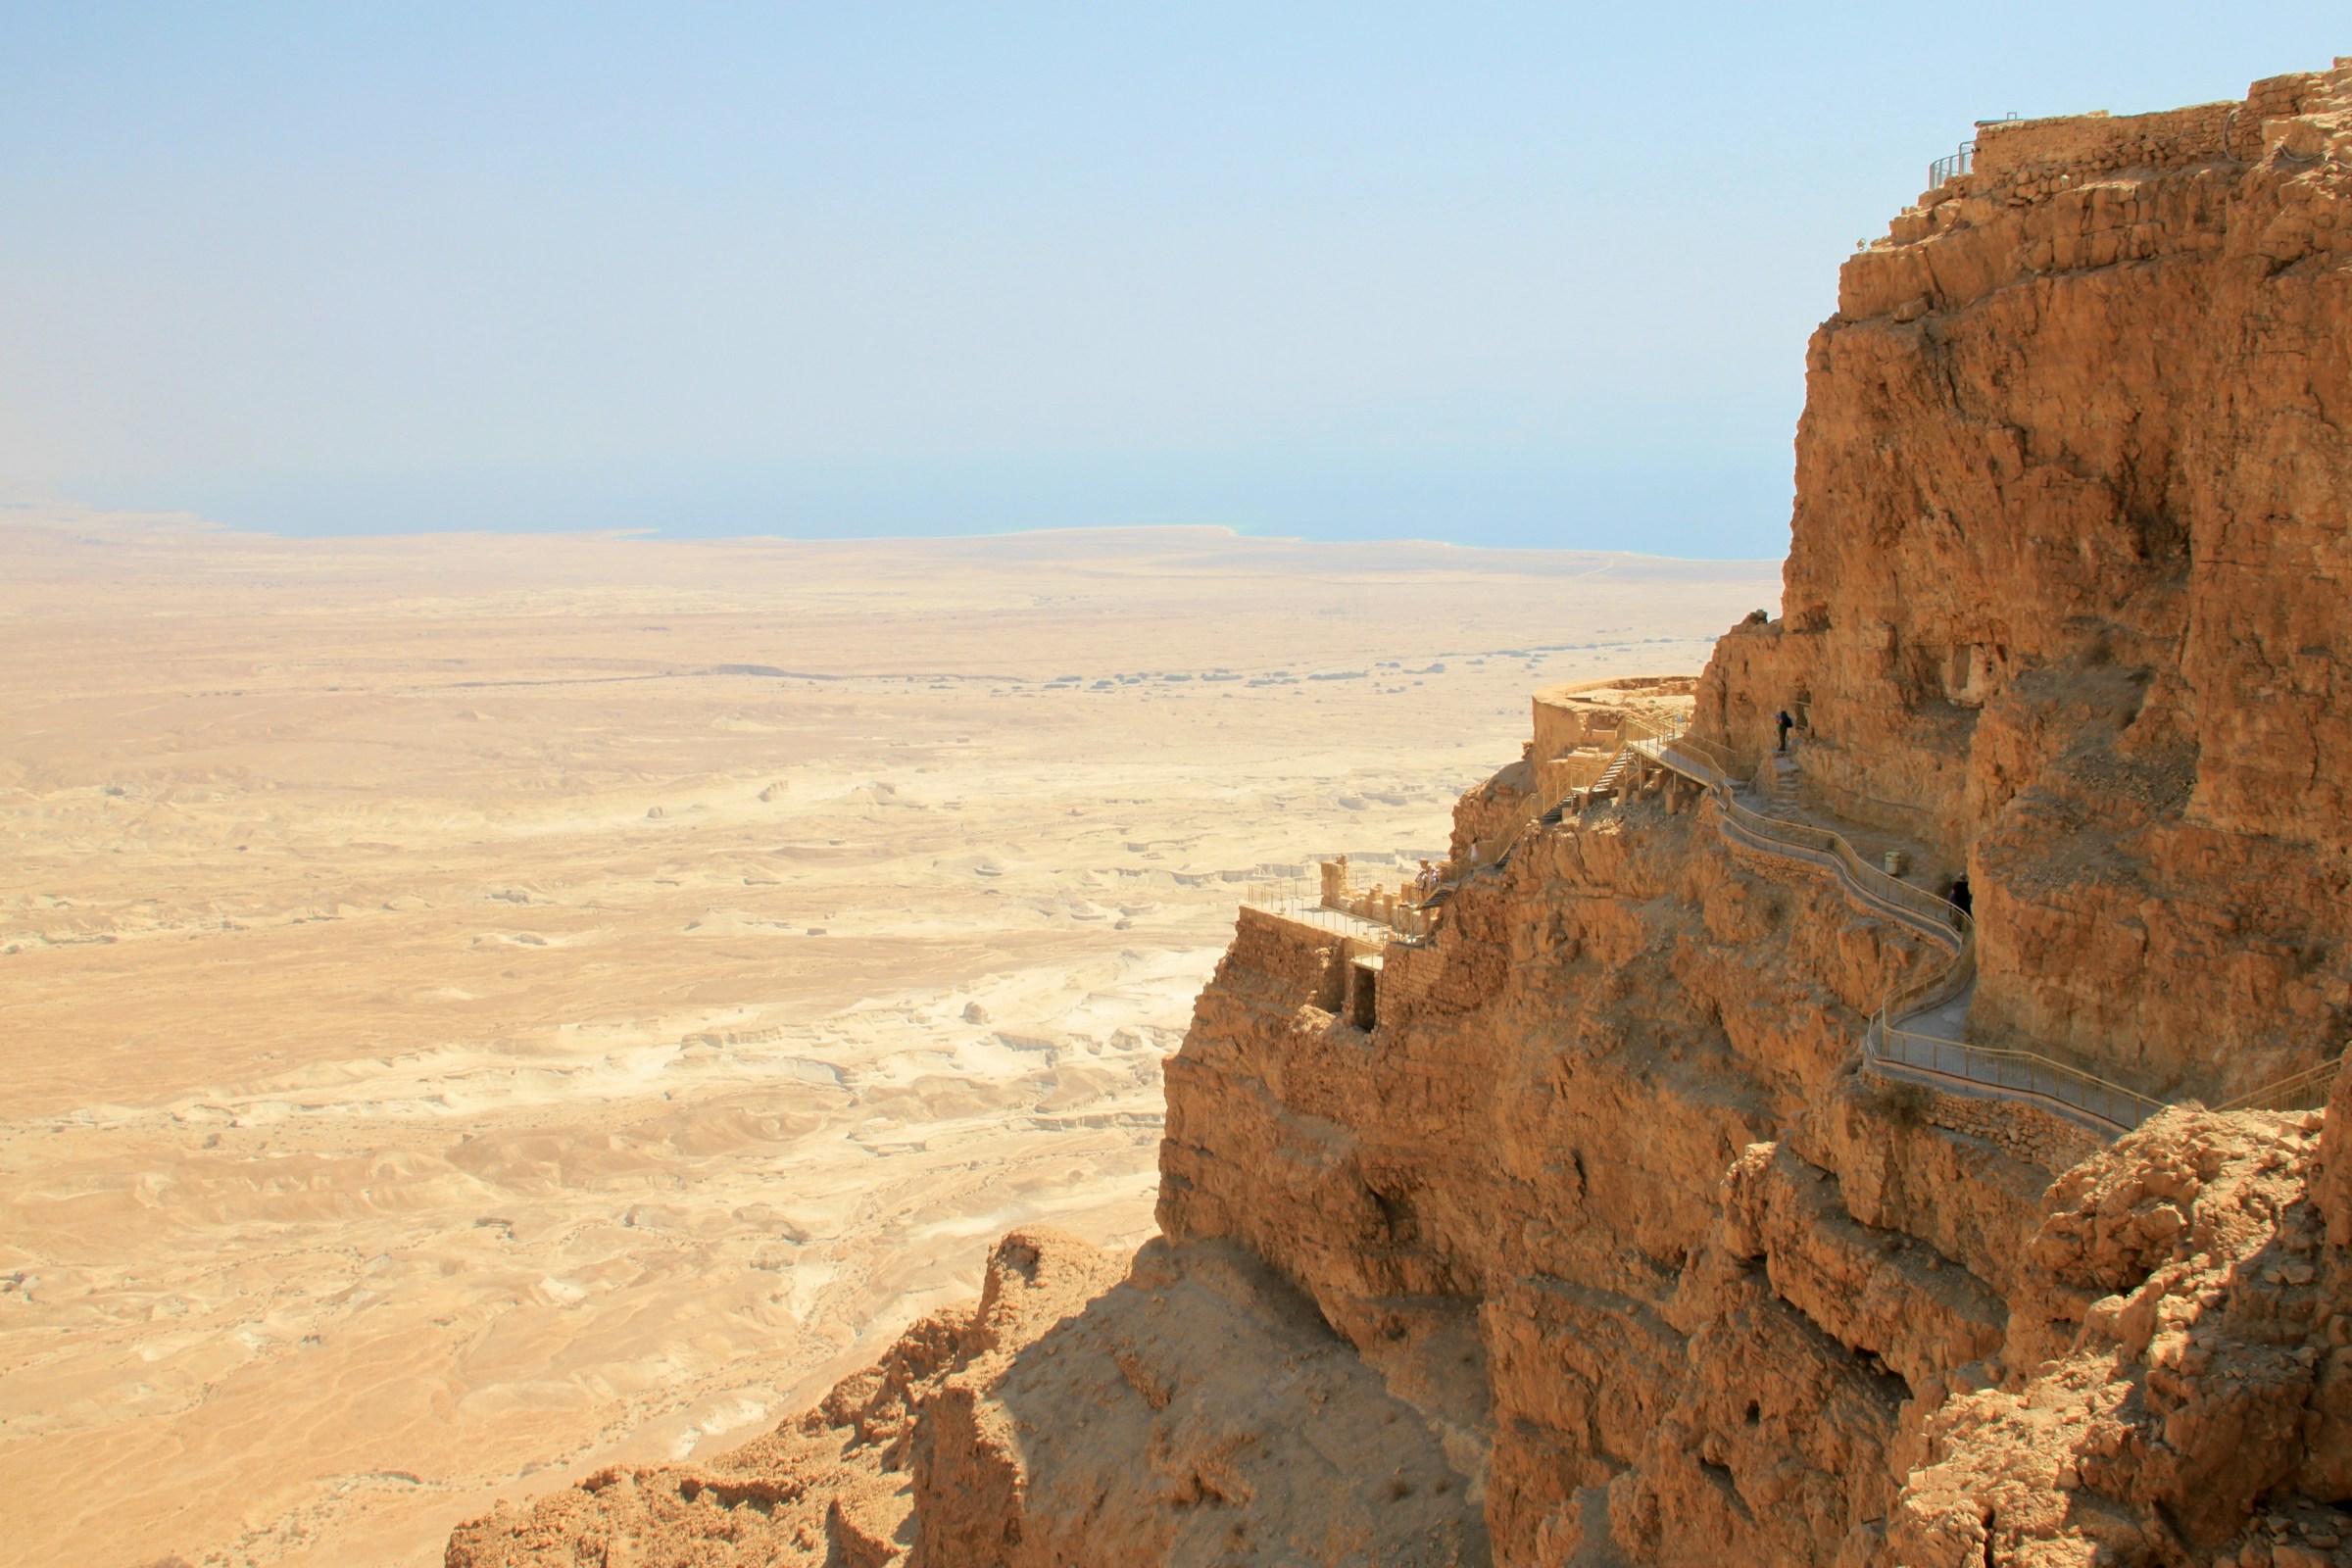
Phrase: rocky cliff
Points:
(2065, 590)
(1582, 1231)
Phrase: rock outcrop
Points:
(835, 1486)
(1589, 1242)
(2066, 585)
(1187, 1407)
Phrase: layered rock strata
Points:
(2066, 584)
(1593, 1242)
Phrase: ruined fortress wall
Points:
(1291, 959)
(2014, 152)
(1591, 712)
(2011, 152)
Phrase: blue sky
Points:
(1529, 275)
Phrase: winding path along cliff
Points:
(1591, 1237)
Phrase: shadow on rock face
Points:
(1198, 1411)
(1193, 1408)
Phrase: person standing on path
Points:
(1785, 723)
(1961, 898)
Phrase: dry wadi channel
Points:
(480, 1007)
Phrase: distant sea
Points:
(1734, 507)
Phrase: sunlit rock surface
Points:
(1594, 1183)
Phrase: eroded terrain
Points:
(480, 1008)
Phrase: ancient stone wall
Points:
(1592, 714)
(2018, 1128)
(2017, 152)
(1295, 959)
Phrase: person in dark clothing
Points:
(1962, 900)
(1785, 723)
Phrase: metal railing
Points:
(2013, 1073)
(2017, 1074)
(1709, 765)
(2307, 1090)
(1960, 162)
(1718, 758)
(1919, 907)
(1935, 990)
(1384, 896)
(1313, 911)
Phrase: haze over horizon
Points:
(1508, 277)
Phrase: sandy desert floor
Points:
(474, 1008)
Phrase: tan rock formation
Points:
(834, 1486)
(2065, 593)
(1611, 1241)
(1194, 1410)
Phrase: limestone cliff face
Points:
(1528, 1159)
(1587, 1237)
(2064, 607)
(2066, 589)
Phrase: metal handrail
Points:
(1916, 905)
(2021, 1074)
(2016, 1073)
(2307, 1090)
(2024, 1074)
(1868, 878)
(1960, 162)
(1935, 990)
(1340, 922)
(1718, 757)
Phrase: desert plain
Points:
(476, 1007)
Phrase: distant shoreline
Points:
(77, 515)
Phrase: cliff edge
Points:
(1687, 1183)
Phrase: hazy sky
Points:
(1502, 274)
